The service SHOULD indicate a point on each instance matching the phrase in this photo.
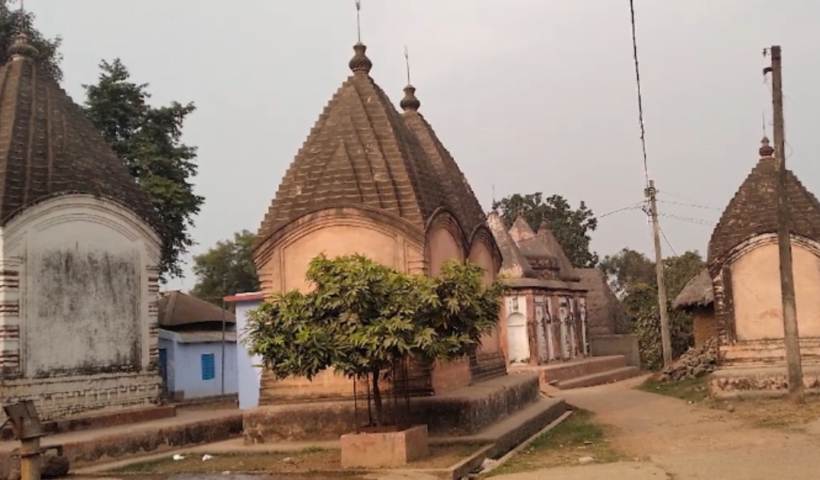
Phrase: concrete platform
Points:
(502, 436)
(90, 446)
(585, 372)
(768, 381)
(462, 412)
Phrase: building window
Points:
(208, 366)
(514, 304)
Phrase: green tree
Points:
(226, 268)
(571, 227)
(633, 275)
(11, 21)
(148, 139)
(362, 318)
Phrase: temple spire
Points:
(409, 102)
(360, 63)
(765, 150)
(21, 47)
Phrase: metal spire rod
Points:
(359, 20)
(407, 63)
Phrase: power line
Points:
(640, 96)
(668, 243)
(693, 205)
(696, 221)
(623, 209)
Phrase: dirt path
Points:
(671, 438)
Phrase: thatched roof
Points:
(605, 313)
(696, 293)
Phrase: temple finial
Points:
(765, 150)
(20, 47)
(409, 102)
(360, 63)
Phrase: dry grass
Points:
(578, 436)
(758, 412)
(299, 462)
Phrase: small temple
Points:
(743, 265)
(546, 324)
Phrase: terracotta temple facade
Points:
(544, 319)
(743, 265)
(373, 181)
(79, 251)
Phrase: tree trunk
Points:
(377, 400)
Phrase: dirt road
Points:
(672, 439)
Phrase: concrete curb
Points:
(527, 442)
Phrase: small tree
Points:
(363, 318)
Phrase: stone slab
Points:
(384, 449)
(560, 371)
(461, 412)
(602, 378)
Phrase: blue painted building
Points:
(249, 374)
(192, 346)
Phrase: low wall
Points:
(466, 411)
(626, 345)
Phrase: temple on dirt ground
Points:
(373, 181)
(546, 324)
(744, 264)
(80, 250)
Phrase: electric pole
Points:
(666, 339)
(787, 295)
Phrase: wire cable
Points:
(640, 96)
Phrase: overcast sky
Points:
(528, 95)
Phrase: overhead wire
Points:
(640, 96)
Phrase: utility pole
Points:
(666, 338)
(222, 366)
(787, 295)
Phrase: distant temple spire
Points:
(409, 102)
(21, 47)
(360, 63)
(765, 150)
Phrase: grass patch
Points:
(309, 460)
(578, 436)
(692, 390)
(757, 412)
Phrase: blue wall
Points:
(185, 368)
(249, 375)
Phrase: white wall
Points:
(84, 306)
(249, 375)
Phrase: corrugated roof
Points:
(176, 308)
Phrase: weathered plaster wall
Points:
(335, 234)
(756, 293)
(249, 375)
(78, 325)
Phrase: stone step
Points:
(600, 378)
(558, 372)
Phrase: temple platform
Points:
(762, 381)
(460, 413)
(579, 373)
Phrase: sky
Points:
(528, 95)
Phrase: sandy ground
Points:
(674, 440)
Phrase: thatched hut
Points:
(698, 298)
(605, 313)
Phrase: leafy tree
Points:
(226, 268)
(570, 227)
(628, 267)
(362, 318)
(633, 275)
(148, 139)
(11, 20)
